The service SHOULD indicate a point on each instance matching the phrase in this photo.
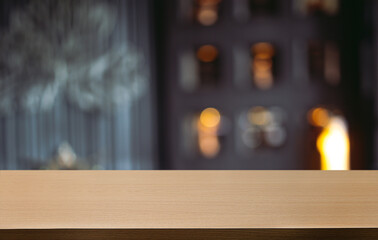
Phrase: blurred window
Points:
(323, 60)
(261, 127)
(200, 69)
(316, 7)
(203, 133)
(203, 12)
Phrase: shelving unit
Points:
(294, 90)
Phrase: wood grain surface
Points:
(188, 199)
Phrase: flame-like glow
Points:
(333, 145)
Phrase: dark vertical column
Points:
(357, 103)
(373, 12)
(160, 58)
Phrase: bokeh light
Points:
(262, 64)
(207, 11)
(207, 127)
(318, 117)
(207, 53)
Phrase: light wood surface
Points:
(188, 199)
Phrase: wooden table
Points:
(188, 204)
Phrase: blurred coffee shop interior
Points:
(189, 84)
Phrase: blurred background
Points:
(188, 84)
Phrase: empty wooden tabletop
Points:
(188, 199)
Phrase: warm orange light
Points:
(210, 117)
(207, 53)
(208, 3)
(207, 127)
(207, 16)
(333, 145)
(265, 50)
(262, 64)
(329, 7)
(207, 12)
(263, 79)
(209, 146)
(318, 117)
